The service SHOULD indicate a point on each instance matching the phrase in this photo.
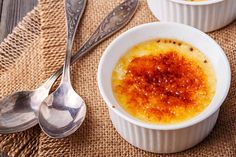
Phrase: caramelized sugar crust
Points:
(164, 88)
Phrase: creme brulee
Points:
(163, 81)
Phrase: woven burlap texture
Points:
(36, 49)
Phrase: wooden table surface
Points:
(11, 12)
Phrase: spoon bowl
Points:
(67, 103)
(18, 111)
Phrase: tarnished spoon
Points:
(17, 111)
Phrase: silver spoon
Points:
(63, 111)
(17, 111)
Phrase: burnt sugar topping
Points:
(168, 75)
(163, 88)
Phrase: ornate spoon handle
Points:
(115, 20)
(74, 10)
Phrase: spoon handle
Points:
(113, 22)
(74, 10)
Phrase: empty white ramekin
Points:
(207, 16)
(164, 138)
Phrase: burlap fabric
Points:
(36, 48)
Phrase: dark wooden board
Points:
(11, 12)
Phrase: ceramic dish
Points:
(164, 138)
(207, 15)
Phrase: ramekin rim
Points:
(197, 3)
(182, 125)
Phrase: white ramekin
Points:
(164, 138)
(206, 16)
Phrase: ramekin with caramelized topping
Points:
(206, 15)
(163, 81)
(164, 84)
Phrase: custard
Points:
(163, 81)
